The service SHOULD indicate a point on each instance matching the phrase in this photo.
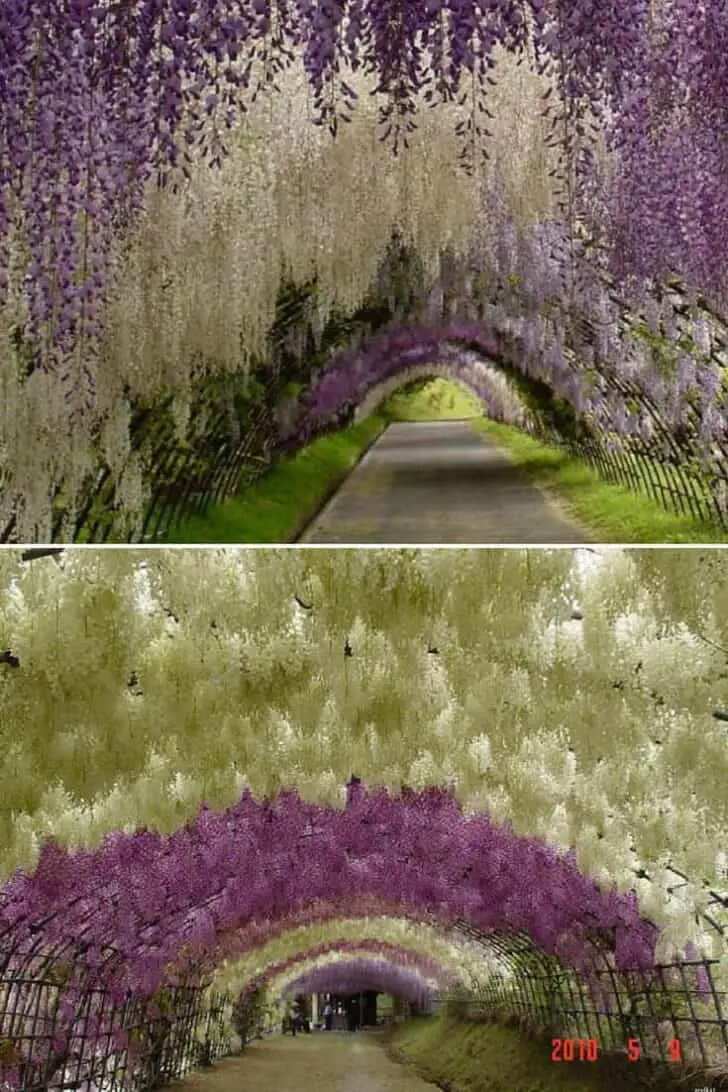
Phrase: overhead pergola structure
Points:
(67, 1015)
(325, 955)
(671, 462)
(57, 988)
(633, 138)
(35, 1004)
(655, 1006)
(244, 973)
(360, 976)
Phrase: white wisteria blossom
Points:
(149, 681)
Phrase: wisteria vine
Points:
(458, 958)
(355, 975)
(96, 95)
(279, 975)
(105, 103)
(181, 892)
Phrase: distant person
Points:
(328, 1016)
(351, 1015)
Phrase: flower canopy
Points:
(552, 176)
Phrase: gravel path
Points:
(321, 1062)
(439, 481)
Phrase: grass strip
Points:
(278, 506)
(612, 513)
(478, 1056)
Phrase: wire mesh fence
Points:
(667, 460)
(670, 1013)
(233, 426)
(638, 467)
(142, 1047)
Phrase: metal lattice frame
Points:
(538, 989)
(654, 1006)
(629, 460)
(223, 452)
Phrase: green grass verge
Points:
(275, 508)
(482, 1057)
(611, 513)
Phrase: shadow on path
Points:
(439, 481)
(322, 1062)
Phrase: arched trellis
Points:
(277, 975)
(391, 824)
(360, 975)
(334, 952)
(657, 1006)
(233, 434)
(233, 440)
(214, 469)
(655, 451)
(116, 939)
(536, 987)
(475, 376)
(658, 462)
(403, 936)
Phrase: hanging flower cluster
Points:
(245, 863)
(475, 376)
(149, 908)
(192, 278)
(147, 164)
(248, 954)
(278, 976)
(123, 669)
(548, 825)
(357, 975)
(522, 316)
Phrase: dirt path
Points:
(321, 1062)
(439, 481)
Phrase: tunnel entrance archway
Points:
(490, 391)
(66, 945)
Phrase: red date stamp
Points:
(574, 1050)
(587, 1050)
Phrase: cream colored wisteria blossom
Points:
(195, 283)
(151, 680)
(469, 961)
(280, 981)
(495, 382)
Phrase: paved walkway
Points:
(440, 481)
(320, 1062)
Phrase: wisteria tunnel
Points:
(189, 871)
(223, 223)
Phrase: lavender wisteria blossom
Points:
(106, 106)
(194, 885)
(104, 63)
(352, 976)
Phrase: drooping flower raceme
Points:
(354, 976)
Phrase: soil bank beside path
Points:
(439, 481)
(320, 1062)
